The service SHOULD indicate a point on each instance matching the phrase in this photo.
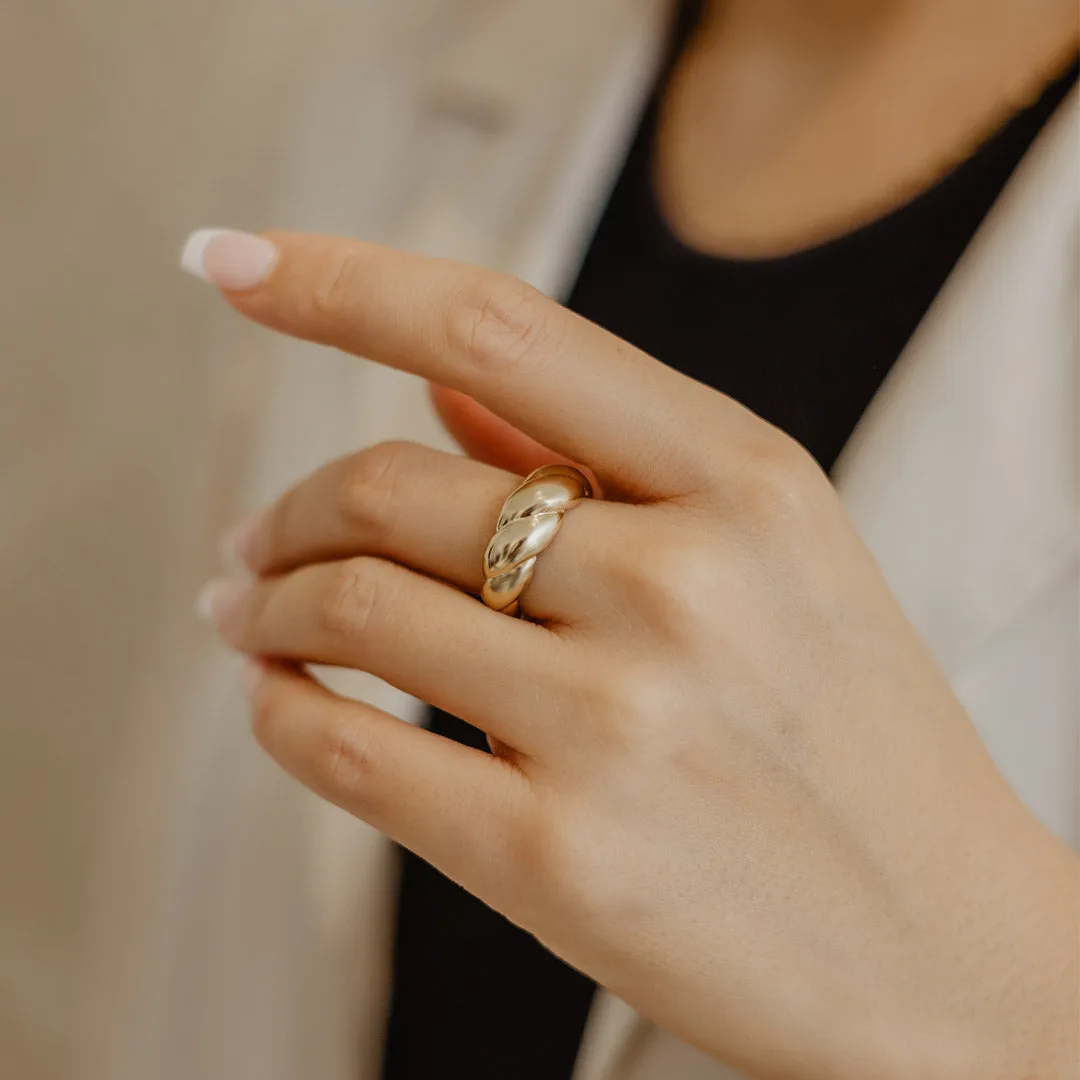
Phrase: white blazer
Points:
(272, 958)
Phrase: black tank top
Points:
(805, 341)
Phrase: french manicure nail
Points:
(218, 599)
(227, 258)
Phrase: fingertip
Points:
(253, 675)
(220, 599)
(230, 259)
(240, 543)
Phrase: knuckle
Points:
(350, 766)
(496, 322)
(777, 483)
(636, 710)
(549, 849)
(631, 703)
(585, 876)
(672, 583)
(349, 601)
(369, 487)
(336, 285)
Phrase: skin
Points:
(790, 122)
(730, 783)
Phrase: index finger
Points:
(561, 379)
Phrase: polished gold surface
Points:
(502, 593)
(544, 495)
(520, 540)
(529, 520)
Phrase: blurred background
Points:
(171, 905)
(129, 442)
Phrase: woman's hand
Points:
(730, 783)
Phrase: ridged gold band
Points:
(529, 520)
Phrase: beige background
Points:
(125, 421)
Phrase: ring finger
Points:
(430, 511)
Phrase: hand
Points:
(730, 783)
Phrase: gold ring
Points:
(527, 524)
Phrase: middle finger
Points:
(430, 640)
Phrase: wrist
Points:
(1009, 1008)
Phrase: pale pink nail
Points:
(251, 676)
(238, 542)
(217, 600)
(227, 258)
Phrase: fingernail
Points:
(227, 258)
(218, 599)
(238, 542)
(251, 676)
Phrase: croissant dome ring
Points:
(529, 520)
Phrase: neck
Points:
(797, 16)
(790, 121)
(1018, 44)
(846, 18)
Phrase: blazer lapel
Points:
(962, 476)
(526, 117)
